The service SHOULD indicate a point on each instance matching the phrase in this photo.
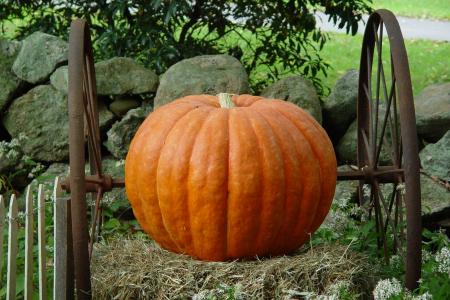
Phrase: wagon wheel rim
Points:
(83, 127)
(393, 132)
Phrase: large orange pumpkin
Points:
(227, 179)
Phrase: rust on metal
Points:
(79, 43)
(399, 118)
(94, 182)
(383, 174)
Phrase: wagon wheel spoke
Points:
(380, 72)
(382, 138)
(92, 124)
(368, 92)
(367, 148)
(387, 209)
(95, 220)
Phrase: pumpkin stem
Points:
(225, 100)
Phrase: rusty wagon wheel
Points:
(84, 127)
(387, 151)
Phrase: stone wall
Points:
(33, 105)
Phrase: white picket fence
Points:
(61, 231)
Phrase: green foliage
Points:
(280, 36)
(17, 169)
(359, 233)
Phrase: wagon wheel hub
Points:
(368, 174)
(94, 183)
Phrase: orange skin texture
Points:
(219, 183)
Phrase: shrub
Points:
(271, 38)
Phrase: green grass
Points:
(428, 60)
(431, 9)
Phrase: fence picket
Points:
(63, 268)
(12, 250)
(2, 220)
(60, 235)
(41, 243)
(28, 284)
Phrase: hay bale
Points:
(139, 269)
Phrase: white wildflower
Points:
(343, 200)
(426, 255)
(337, 287)
(294, 294)
(120, 163)
(12, 154)
(356, 210)
(401, 188)
(443, 260)
(426, 296)
(14, 143)
(366, 191)
(202, 295)
(327, 297)
(35, 171)
(387, 288)
(395, 260)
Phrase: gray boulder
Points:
(435, 197)
(122, 75)
(60, 79)
(347, 146)
(39, 56)
(435, 158)
(41, 115)
(116, 199)
(9, 83)
(346, 191)
(116, 76)
(433, 111)
(297, 90)
(207, 74)
(339, 109)
(122, 105)
(122, 132)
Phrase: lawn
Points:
(428, 60)
(430, 9)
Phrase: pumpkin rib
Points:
(228, 186)
(244, 186)
(136, 184)
(189, 194)
(329, 169)
(272, 184)
(312, 143)
(326, 197)
(291, 158)
(209, 194)
(172, 171)
(310, 169)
